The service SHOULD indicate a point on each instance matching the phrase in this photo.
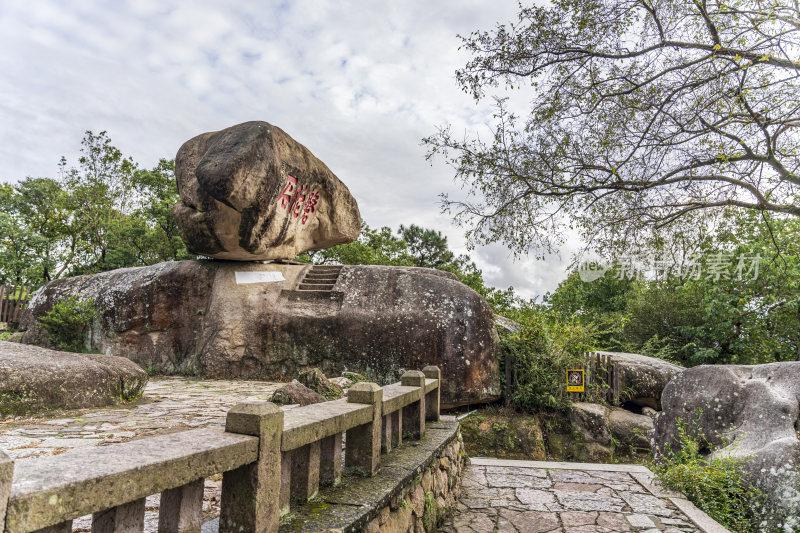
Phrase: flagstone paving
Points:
(169, 404)
(514, 496)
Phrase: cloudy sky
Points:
(359, 83)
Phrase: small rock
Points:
(296, 392)
(649, 411)
(315, 380)
(342, 381)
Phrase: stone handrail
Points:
(268, 458)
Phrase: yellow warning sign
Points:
(576, 380)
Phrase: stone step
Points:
(325, 268)
(304, 286)
(314, 279)
(311, 296)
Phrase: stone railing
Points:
(269, 459)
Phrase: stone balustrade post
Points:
(6, 476)
(397, 428)
(432, 399)
(251, 493)
(414, 413)
(125, 518)
(363, 446)
(181, 508)
(330, 460)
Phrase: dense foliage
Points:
(102, 214)
(714, 484)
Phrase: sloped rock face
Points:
(193, 317)
(34, 379)
(641, 378)
(749, 412)
(296, 392)
(251, 192)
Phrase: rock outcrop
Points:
(314, 379)
(750, 412)
(608, 432)
(642, 378)
(194, 317)
(34, 379)
(251, 192)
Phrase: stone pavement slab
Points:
(169, 404)
(507, 496)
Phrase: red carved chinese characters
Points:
(298, 200)
(285, 198)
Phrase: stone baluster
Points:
(6, 476)
(330, 460)
(305, 472)
(181, 508)
(251, 493)
(414, 413)
(432, 399)
(363, 448)
(397, 428)
(386, 435)
(125, 518)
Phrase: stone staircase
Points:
(317, 286)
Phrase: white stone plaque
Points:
(243, 278)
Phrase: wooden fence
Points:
(601, 379)
(269, 459)
(13, 299)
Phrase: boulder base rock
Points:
(193, 317)
(251, 192)
(642, 378)
(296, 392)
(751, 412)
(630, 430)
(34, 379)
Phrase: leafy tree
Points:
(644, 113)
(428, 247)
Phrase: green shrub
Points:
(540, 353)
(67, 323)
(713, 484)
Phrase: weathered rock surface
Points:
(342, 381)
(314, 379)
(643, 378)
(746, 411)
(506, 325)
(34, 379)
(630, 430)
(296, 392)
(193, 317)
(251, 192)
(591, 419)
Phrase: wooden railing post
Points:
(414, 413)
(363, 446)
(251, 493)
(432, 399)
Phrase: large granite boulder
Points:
(34, 379)
(251, 192)
(232, 319)
(296, 393)
(641, 379)
(749, 412)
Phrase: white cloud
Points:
(358, 83)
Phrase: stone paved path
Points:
(170, 404)
(515, 496)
